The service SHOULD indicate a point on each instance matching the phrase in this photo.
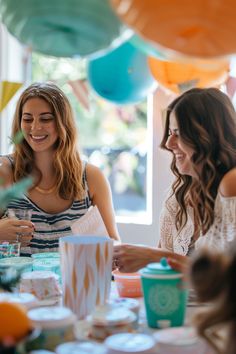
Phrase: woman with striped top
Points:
(64, 187)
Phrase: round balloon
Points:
(64, 28)
(179, 77)
(196, 28)
(122, 76)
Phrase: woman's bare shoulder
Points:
(227, 186)
(95, 178)
(93, 172)
(6, 173)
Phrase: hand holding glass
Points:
(21, 214)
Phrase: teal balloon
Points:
(147, 48)
(64, 28)
(121, 76)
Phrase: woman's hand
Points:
(180, 263)
(13, 230)
(130, 258)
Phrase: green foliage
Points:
(15, 191)
(17, 139)
(9, 278)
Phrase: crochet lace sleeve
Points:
(223, 230)
(170, 238)
(166, 235)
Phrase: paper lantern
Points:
(64, 28)
(179, 77)
(196, 28)
(147, 48)
(122, 76)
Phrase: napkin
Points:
(90, 224)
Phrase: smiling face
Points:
(39, 125)
(181, 151)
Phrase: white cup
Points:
(86, 264)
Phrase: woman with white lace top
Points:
(200, 210)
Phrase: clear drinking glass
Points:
(21, 214)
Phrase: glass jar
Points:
(57, 326)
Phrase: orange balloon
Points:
(202, 28)
(179, 77)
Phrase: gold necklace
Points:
(45, 191)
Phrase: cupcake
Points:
(26, 299)
(81, 348)
(56, 324)
(180, 340)
(42, 284)
(126, 343)
(108, 320)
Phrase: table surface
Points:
(83, 326)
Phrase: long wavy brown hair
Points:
(206, 121)
(67, 163)
(213, 278)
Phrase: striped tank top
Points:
(50, 227)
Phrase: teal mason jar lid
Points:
(161, 270)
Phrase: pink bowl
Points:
(128, 284)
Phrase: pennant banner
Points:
(81, 91)
(7, 91)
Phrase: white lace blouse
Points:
(218, 236)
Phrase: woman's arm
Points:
(6, 173)
(100, 192)
(130, 258)
(227, 186)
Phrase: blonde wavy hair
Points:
(213, 278)
(67, 163)
(206, 121)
